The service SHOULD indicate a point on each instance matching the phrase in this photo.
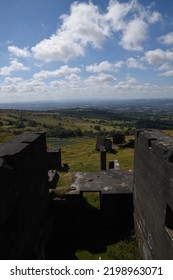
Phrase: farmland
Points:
(75, 131)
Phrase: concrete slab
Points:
(111, 181)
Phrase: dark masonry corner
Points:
(36, 225)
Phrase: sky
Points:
(78, 50)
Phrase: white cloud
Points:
(134, 35)
(166, 39)
(15, 65)
(101, 78)
(104, 66)
(11, 81)
(19, 86)
(19, 52)
(165, 67)
(116, 14)
(133, 20)
(134, 63)
(167, 73)
(158, 56)
(73, 78)
(101, 86)
(62, 71)
(58, 47)
(154, 17)
(86, 25)
(130, 80)
(128, 83)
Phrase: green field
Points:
(122, 250)
(79, 153)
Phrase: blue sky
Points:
(56, 50)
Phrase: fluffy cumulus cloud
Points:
(125, 24)
(101, 78)
(166, 39)
(162, 60)
(62, 71)
(154, 17)
(104, 66)
(86, 25)
(15, 87)
(102, 85)
(58, 47)
(127, 84)
(14, 66)
(117, 13)
(73, 78)
(165, 67)
(19, 52)
(134, 34)
(167, 73)
(135, 30)
(134, 63)
(158, 56)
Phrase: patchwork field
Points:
(75, 132)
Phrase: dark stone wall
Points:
(54, 160)
(100, 142)
(30, 224)
(153, 193)
(118, 138)
(77, 225)
(102, 160)
(117, 211)
(24, 197)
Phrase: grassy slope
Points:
(81, 155)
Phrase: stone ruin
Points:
(24, 196)
(153, 194)
(33, 225)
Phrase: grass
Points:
(64, 183)
(125, 158)
(92, 199)
(59, 143)
(5, 136)
(71, 122)
(168, 132)
(122, 250)
(81, 155)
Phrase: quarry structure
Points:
(153, 194)
(36, 225)
(24, 201)
(24, 196)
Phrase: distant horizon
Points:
(51, 105)
(87, 100)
